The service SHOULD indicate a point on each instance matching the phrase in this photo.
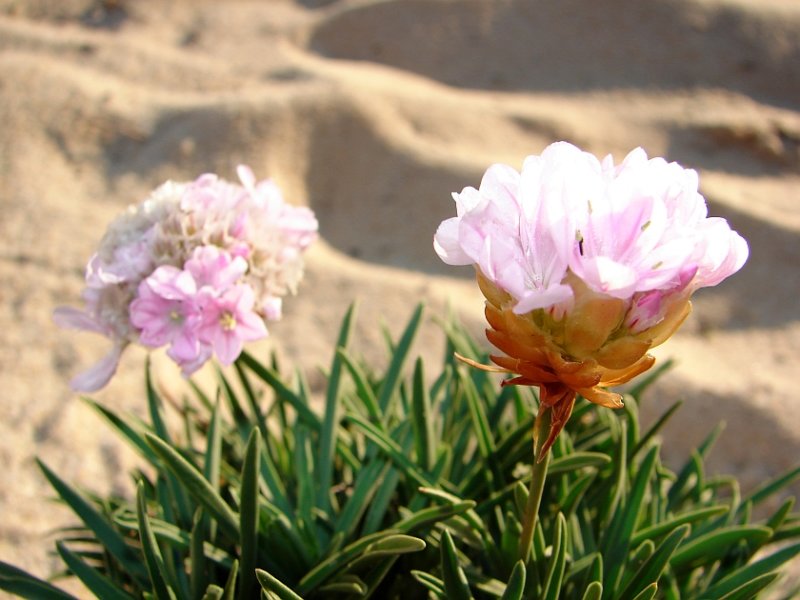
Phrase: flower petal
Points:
(100, 374)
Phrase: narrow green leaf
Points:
(248, 515)
(577, 460)
(211, 464)
(620, 469)
(363, 389)
(422, 420)
(396, 544)
(651, 569)
(97, 583)
(576, 492)
(213, 592)
(353, 586)
(176, 537)
(393, 545)
(716, 544)
(98, 524)
(647, 593)
(197, 486)
(693, 516)
(381, 502)
(129, 433)
(779, 516)
(750, 572)
(456, 586)
(20, 583)
(213, 454)
(272, 379)
(470, 516)
(154, 404)
(373, 578)
(771, 487)
(655, 428)
(751, 589)
(520, 497)
(198, 577)
(392, 450)
(480, 423)
(433, 584)
(395, 369)
(230, 585)
(272, 584)
(319, 574)
(303, 461)
(617, 541)
(330, 422)
(555, 572)
(692, 467)
(367, 482)
(515, 587)
(594, 591)
(152, 555)
(595, 573)
(433, 514)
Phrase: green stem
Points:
(538, 475)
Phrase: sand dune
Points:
(372, 113)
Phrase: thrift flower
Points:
(586, 265)
(198, 267)
(229, 320)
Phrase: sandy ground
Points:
(372, 113)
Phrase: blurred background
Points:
(372, 113)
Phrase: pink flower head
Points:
(585, 266)
(634, 228)
(197, 267)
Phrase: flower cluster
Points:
(197, 267)
(586, 265)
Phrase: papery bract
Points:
(586, 265)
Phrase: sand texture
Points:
(372, 113)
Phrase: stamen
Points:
(227, 321)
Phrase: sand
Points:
(372, 113)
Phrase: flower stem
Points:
(541, 431)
